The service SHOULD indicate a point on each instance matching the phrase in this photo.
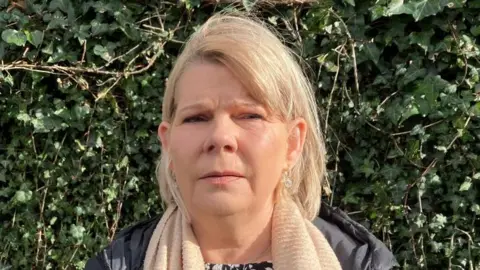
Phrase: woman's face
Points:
(227, 151)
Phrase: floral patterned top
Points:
(250, 266)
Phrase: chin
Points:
(220, 205)
(221, 200)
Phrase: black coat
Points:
(355, 247)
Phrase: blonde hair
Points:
(274, 78)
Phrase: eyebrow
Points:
(202, 105)
(195, 106)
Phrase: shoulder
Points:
(354, 245)
(127, 250)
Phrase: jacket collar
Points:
(354, 245)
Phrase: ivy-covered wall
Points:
(81, 87)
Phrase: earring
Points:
(287, 181)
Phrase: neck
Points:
(236, 239)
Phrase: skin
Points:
(218, 127)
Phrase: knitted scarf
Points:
(296, 243)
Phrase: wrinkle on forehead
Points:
(210, 103)
(250, 92)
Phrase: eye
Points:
(252, 116)
(195, 119)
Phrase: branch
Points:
(409, 131)
(352, 47)
(22, 65)
(260, 2)
(333, 90)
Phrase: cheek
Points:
(272, 140)
(184, 144)
(183, 148)
(266, 152)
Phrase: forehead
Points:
(203, 79)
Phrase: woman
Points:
(242, 166)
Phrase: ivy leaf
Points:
(123, 163)
(57, 22)
(371, 52)
(395, 31)
(350, 2)
(425, 8)
(14, 37)
(80, 111)
(79, 210)
(438, 221)
(391, 172)
(475, 30)
(23, 196)
(23, 117)
(393, 153)
(418, 9)
(47, 124)
(420, 220)
(475, 208)
(82, 32)
(190, 4)
(8, 79)
(77, 231)
(273, 20)
(377, 12)
(248, 4)
(436, 246)
(63, 5)
(102, 52)
(422, 39)
(428, 91)
(412, 74)
(397, 7)
(98, 28)
(35, 37)
(475, 109)
(466, 185)
(48, 49)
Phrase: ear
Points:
(163, 134)
(296, 140)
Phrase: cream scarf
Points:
(296, 243)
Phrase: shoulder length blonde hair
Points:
(271, 74)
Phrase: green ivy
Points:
(81, 86)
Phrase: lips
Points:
(219, 178)
(218, 174)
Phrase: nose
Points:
(222, 136)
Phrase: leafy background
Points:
(81, 87)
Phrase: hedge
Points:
(81, 87)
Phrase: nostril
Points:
(226, 147)
(229, 148)
(211, 148)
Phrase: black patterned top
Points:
(250, 266)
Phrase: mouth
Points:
(217, 177)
